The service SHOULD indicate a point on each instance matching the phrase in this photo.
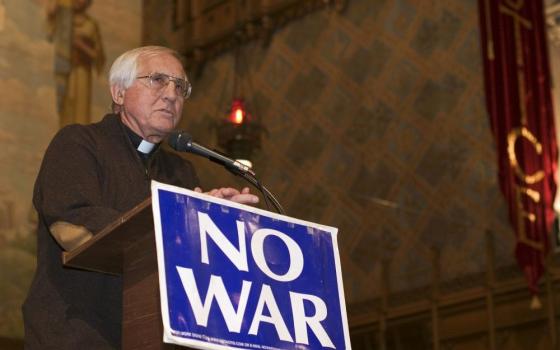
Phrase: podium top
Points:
(104, 251)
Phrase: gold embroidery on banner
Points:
(534, 195)
(518, 22)
(523, 214)
(517, 5)
(513, 136)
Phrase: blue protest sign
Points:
(236, 277)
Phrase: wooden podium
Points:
(127, 247)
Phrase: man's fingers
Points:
(215, 193)
(234, 195)
(245, 199)
(229, 192)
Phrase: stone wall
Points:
(376, 125)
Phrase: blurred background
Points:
(366, 115)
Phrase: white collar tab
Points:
(145, 147)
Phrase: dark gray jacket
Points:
(90, 175)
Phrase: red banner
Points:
(519, 102)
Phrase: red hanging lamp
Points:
(239, 133)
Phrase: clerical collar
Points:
(142, 146)
(145, 147)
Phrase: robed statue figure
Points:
(78, 50)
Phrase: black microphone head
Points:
(179, 140)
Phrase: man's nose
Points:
(170, 91)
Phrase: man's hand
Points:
(232, 194)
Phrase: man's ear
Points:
(118, 94)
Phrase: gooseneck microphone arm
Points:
(266, 193)
(182, 142)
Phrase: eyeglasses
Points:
(158, 81)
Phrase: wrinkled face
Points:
(150, 112)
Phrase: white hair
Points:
(124, 69)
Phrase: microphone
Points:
(181, 141)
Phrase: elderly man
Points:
(91, 175)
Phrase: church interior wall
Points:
(376, 124)
(29, 119)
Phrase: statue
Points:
(78, 50)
